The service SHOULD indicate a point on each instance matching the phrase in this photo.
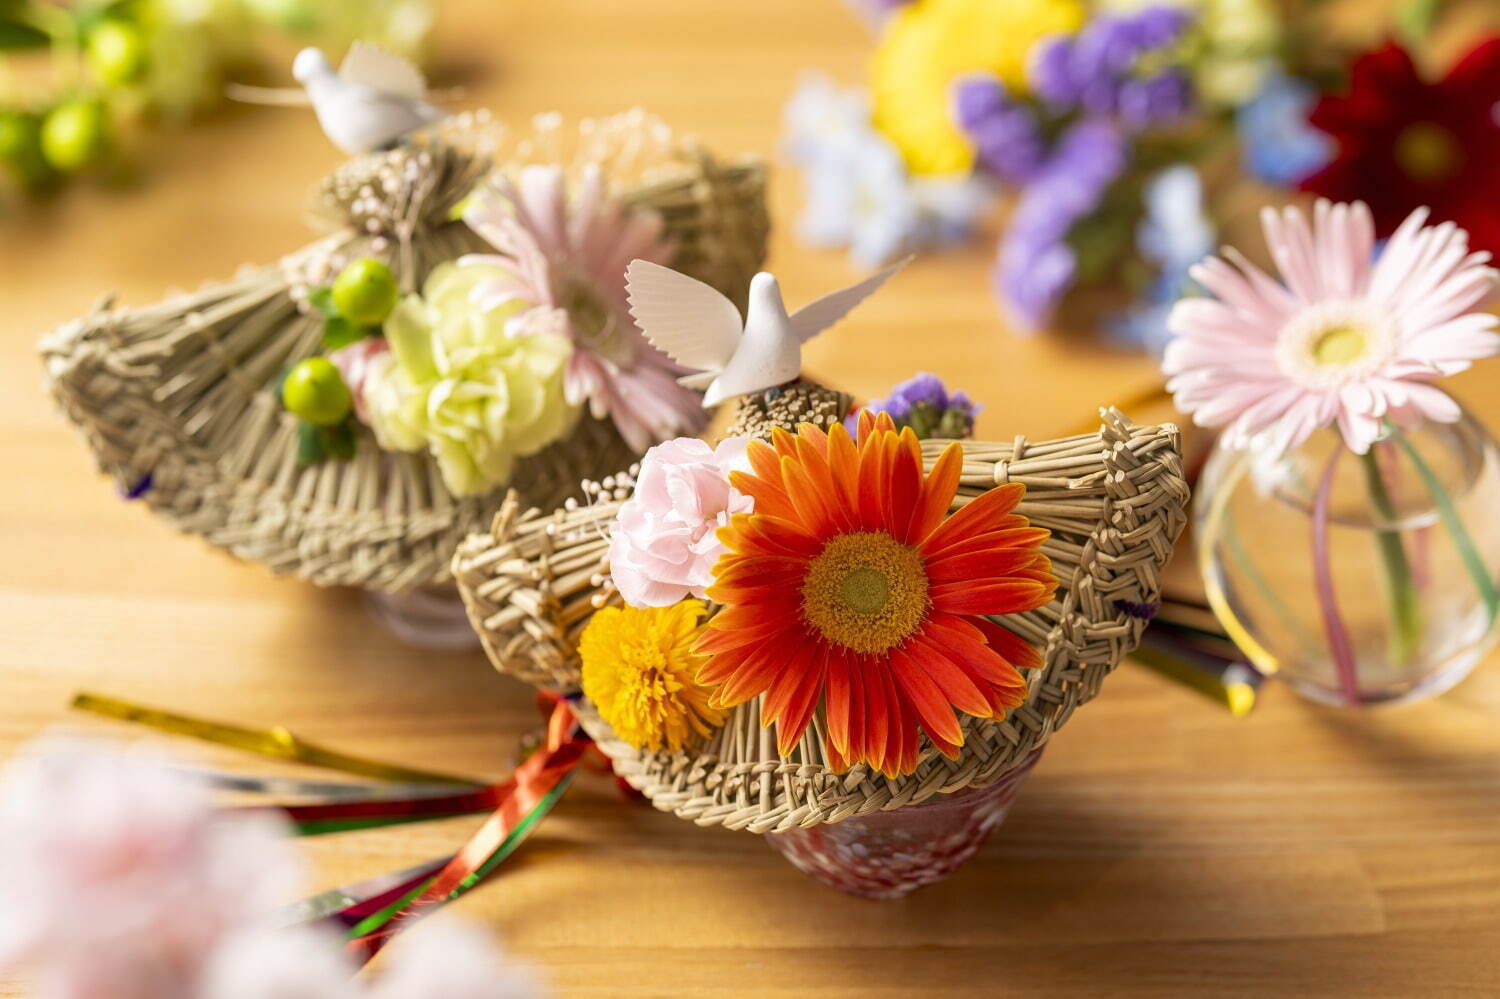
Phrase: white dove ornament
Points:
(373, 100)
(699, 328)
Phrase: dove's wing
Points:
(386, 72)
(816, 316)
(694, 324)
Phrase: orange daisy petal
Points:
(843, 467)
(929, 702)
(715, 640)
(764, 461)
(955, 683)
(1019, 536)
(975, 567)
(797, 710)
(813, 510)
(905, 483)
(770, 498)
(872, 491)
(965, 644)
(878, 711)
(838, 699)
(1010, 646)
(1003, 596)
(979, 515)
(937, 494)
(812, 436)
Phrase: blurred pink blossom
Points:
(122, 881)
(126, 873)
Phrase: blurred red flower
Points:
(1404, 142)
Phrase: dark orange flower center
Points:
(866, 591)
(1428, 152)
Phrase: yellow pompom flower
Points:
(929, 44)
(640, 670)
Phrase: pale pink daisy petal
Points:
(568, 252)
(1344, 339)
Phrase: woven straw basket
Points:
(178, 401)
(1114, 501)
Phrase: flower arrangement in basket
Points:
(821, 618)
(350, 412)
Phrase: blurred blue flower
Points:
(858, 191)
(1280, 147)
(1174, 235)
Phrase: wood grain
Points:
(1161, 847)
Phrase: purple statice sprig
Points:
(1102, 70)
(1037, 264)
(924, 403)
(1007, 137)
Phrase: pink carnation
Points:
(664, 543)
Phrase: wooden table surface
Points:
(1161, 847)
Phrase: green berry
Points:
(365, 292)
(116, 53)
(75, 135)
(315, 391)
(21, 148)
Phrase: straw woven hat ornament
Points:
(180, 404)
(844, 656)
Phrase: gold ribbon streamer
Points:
(276, 742)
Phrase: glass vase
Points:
(431, 618)
(1359, 579)
(890, 854)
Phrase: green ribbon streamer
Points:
(507, 846)
(1455, 525)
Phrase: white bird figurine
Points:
(699, 328)
(374, 100)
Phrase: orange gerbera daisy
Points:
(849, 584)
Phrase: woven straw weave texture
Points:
(178, 400)
(1114, 502)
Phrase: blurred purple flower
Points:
(1006, 138)
(924, 403)
(1036, 265)
(1094, 71)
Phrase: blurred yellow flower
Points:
(478, 388)
(929, 44)
(640, 670)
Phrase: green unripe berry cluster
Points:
(365, 292)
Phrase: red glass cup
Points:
(889, 854)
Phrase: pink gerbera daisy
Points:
(1348, 338)
(570, 254)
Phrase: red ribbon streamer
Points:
(516, 797)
